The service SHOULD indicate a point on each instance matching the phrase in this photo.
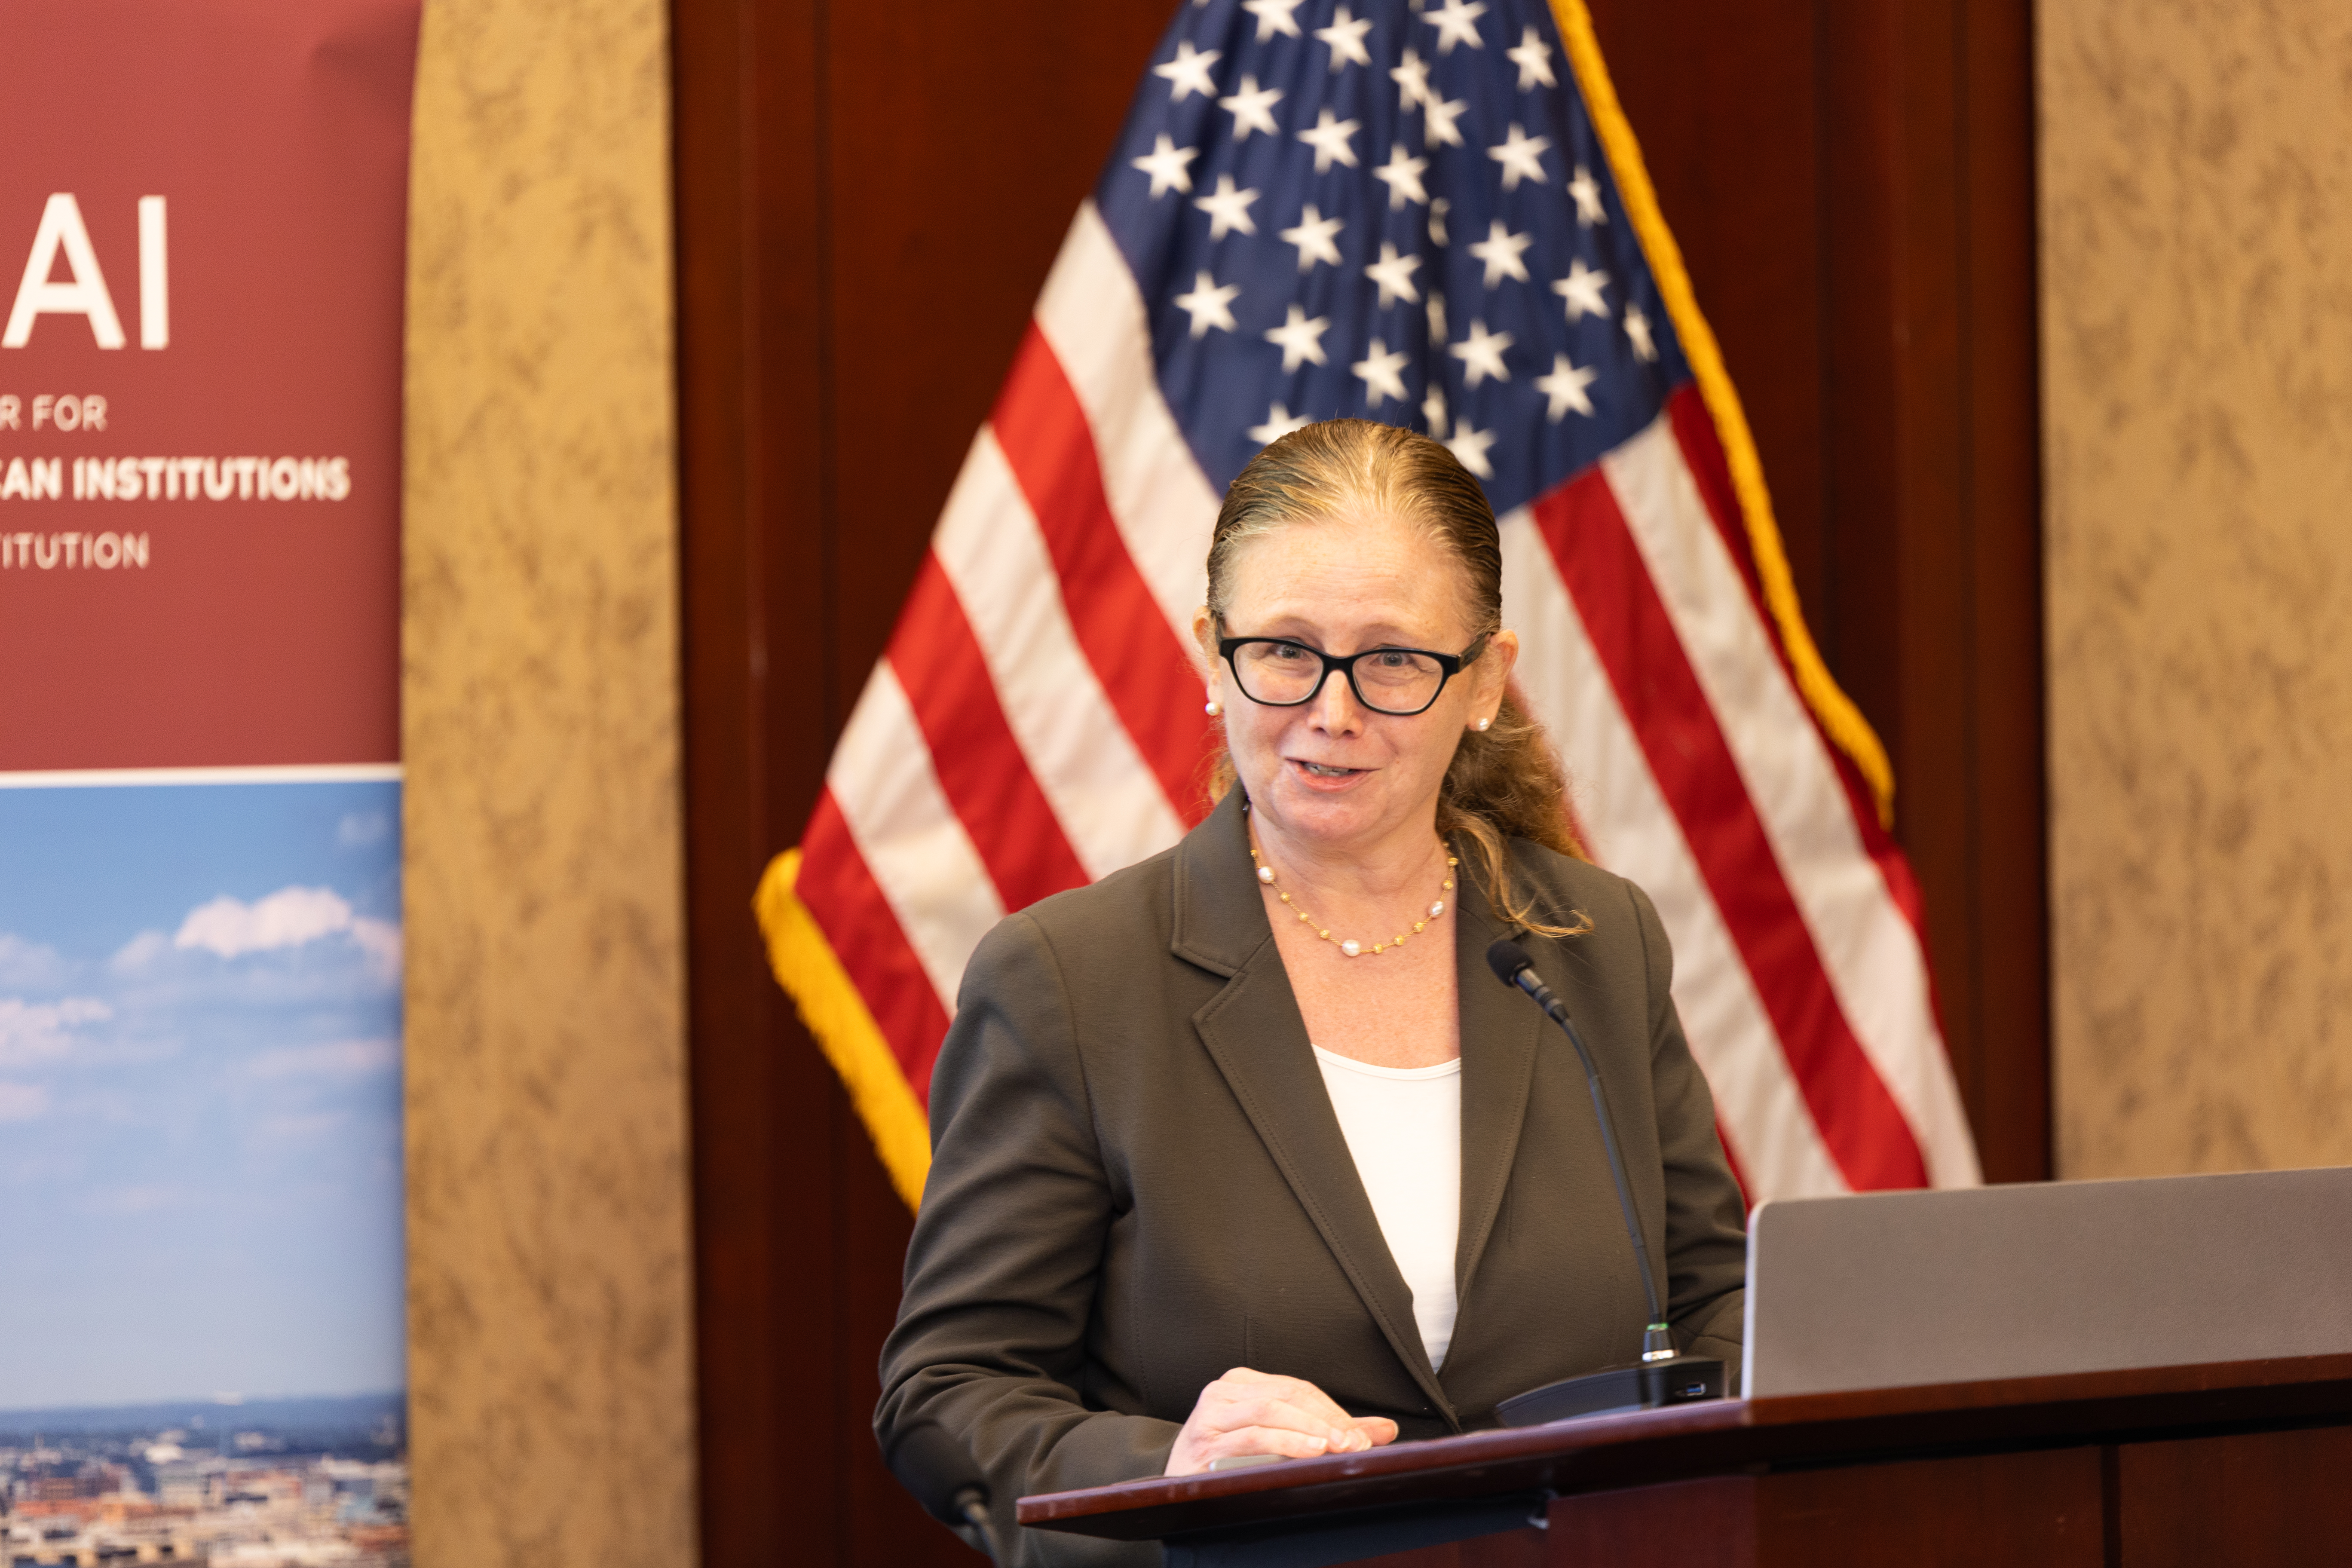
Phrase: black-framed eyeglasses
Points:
(1275, 672)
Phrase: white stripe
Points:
(100, 778)
(1092, 314)
(912, 841)
(1871, 952)
(1108, 800)
(1634, 833)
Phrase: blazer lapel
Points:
(1254, 1034)
(1501, 1033)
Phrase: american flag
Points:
(1435, 215)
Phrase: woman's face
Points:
(1331, 771)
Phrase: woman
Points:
(1242, 1150)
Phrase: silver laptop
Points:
(1889, 1290)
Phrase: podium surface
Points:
(2131, 1372)
(2231, 1462)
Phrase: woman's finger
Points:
(1273, 1412)
(1243, 1398)
(1295, 1391)
(1282, 1440)
(1250, 1412)
(1307, 1397)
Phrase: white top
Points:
(1404, 1126)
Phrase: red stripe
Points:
(1702, 452)
(1694, 429)
(849, 908)
(979, 764)
(1692, 764)
(1041, 429)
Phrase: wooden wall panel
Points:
(868, 200)
(1852, 187)
(2249, 1497)
(2042, 1506)
(963, 137)
(2006, 1071)
(1724, 98)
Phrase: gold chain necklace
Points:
(1349, 946)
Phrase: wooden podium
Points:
(2230, 1463)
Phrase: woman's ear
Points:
(1495, 669)
(1204, 640)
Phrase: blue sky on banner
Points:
(200, 1149)
(1397, 210)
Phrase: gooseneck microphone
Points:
(1662, 1377)
(932, 1464)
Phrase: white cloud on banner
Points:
(304, 1128)
(361, 828)
(290, 917)
(23, 1101)
(137, 1199)
(344, 1059)
(28, 964)
(380, 939)
(287, 918)
(140, 951)
(38, 1031)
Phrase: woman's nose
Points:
(1336, 707)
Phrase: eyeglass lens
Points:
(1388, 681)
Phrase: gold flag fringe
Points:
(807, 965)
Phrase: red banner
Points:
(202, 221)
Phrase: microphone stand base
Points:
(1678, 1381)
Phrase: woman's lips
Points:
(1325, 775)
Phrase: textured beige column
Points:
(2197, 328)
(550, 1322)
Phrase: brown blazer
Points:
(1137, 1181)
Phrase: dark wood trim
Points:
(778, 1395)
(1680, 1442)
(2008, 1092)
(851, 283)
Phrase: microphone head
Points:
(933, 1464)
(1508, 959)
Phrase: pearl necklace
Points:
(1349, 946)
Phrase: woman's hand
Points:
(1247, 1412)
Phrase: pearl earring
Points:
(1482, 725)
(1212, 708)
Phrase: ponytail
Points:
(1506, 782)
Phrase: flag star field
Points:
(1247, 192)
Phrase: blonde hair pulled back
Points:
(1505, 782)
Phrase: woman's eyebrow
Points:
(1382, 633)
